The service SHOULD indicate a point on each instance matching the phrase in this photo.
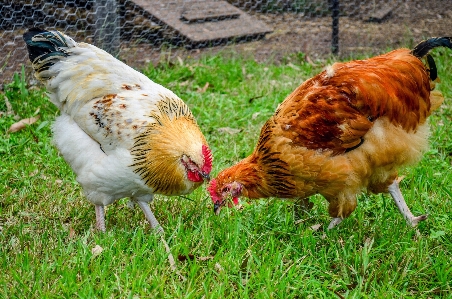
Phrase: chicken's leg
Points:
(396, 194)
(158, 228)
(150, 217)
(100, 218)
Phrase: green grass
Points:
(47, 234)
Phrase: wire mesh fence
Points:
(144, 31)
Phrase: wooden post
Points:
(106, 35)
(335, 26)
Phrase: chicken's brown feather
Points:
(341, 132)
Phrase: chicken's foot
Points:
(397, 196)
(158, 228)
(100, 218)
(334, 222)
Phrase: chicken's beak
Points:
(205, 176)
(217, 208)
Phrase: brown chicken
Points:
(344, 131)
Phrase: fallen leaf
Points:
(309, 60)
(59, 182)
(33, 173)
(228, 130)
(218, 267)
(96, 250)
(181, 62)
(255, 115)
(203, 89)
(72, 233)
(185, 83)
(290, 64)
(9, 107)
(22, 124)
(316, 227)
(368, 242)
(205, 258)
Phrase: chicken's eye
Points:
(226, 189)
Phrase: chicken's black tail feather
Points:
(422, 49)
(45, 48)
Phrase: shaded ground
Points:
(293, 33)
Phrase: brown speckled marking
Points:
(122, 106)
(126, 87)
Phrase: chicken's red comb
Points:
(207, 154)
(212, 190)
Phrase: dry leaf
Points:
(72, 233)
(290, 64)
(33, 173)
(228, 130)
(185, 83)
(59, 182)
(218, 267)
(202, 90)
(205, 258)
(316, 227)
(255, 115)
(22, 124)
(9, 107)
(181, 62)
(96, 250)
(309, 60)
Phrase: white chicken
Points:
(122, 134)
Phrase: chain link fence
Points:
(144, 31)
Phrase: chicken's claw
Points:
(334, 222)
(397, 196)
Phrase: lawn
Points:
(47, 233)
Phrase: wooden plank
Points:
(171, 12)
(213, 11)
(380, 14)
